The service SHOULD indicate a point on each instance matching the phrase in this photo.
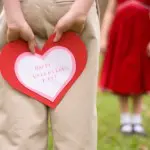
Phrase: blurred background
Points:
(109, 137)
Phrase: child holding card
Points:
(24, 121)
(125, 70)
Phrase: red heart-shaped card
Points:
(48, 74)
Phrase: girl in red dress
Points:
(126, 66)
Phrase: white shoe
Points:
(139, 129)
(126, 129)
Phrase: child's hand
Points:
(103, 47)
(70, 21)
(148, 49)
(21, 30)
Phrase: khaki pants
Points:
(23, 120)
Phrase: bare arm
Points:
(108, 17)
(13, 11)
(74, 19)
(17, 25)
(81, 7)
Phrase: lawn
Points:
(109, 137)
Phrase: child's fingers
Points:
(58, 35)
(102, 51)
(148, 50)
(31, 42)
(31, 45)
(148, 53)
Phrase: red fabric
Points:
(126, 66)
(120, 1)
(147, 2)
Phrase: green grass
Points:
(109, 137)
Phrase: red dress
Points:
(126, 66)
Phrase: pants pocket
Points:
(64, 1)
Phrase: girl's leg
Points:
(136, 118)
(137, 105)
(125, 120)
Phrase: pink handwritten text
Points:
(40, 67)
(48, 74)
